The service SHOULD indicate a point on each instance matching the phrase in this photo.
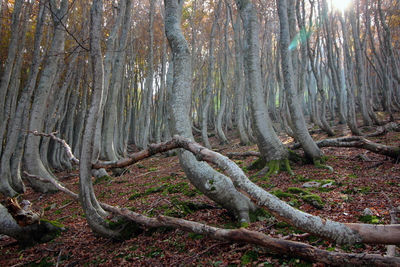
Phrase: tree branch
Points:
(278, 246)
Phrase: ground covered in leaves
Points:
(158, 186)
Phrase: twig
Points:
(68, 149)
(59, 258)
(280, 246)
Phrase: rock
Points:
(367, 211)
(327, 185)
(311, 184)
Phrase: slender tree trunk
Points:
(271, 148)
(224, 85)
(213, 184)
(93, 212)
(210, 79)
(359, 66)
(239, 82)
(298, 122)
(32, 161)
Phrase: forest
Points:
(199, 133)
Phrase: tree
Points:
(216, 186)
(271, 148)
(32, 161)
(299, 126)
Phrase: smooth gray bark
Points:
(360, 70)
(210, 77)
(32, 162)
(93, 212)
(271, 148)
(213, 184)
(298, 122)
(224, 85)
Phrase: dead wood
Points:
(382, 130)
(358, 142)
(53, 136)
(348, 233)
(242, 235)
(22, 213)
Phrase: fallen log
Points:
(342, 233)
(358, 142)
(277, 246)
(22, 223)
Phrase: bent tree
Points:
(213, 184)
(271, 148)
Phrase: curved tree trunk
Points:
(239, 83)
(298, 122)
(269, 145)
(224, 85)
(213, 184)
(10, 179)
(210, 76)
(32, 161)
(93, 212)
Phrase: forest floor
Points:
(158, 186)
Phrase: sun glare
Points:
(340, 4)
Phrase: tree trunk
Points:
(213, 184)
(298, 122)
(270, 147)
(32, 161)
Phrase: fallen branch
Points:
(342, 233)
(135, 157)
(358, 142)
(381, 130)
(53, 136)
(279, 246)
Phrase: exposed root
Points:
(275, 166)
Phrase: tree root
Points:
(275, 166)
(279, 246)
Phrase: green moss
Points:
(135, 195)
(294, 203)
(152, 169)
(281, 225)
(54, 223)
(44, 262)
(125, 228)
(369, 219)
(314, 200)
(178, 188)
(244, 224)
(258, 164)
(300, 179)
(249, 257)
(280, 194)
(195, 236)
(365, 189)
(352, 176)
(296, 190)
(258, 215)
(319, 164)
(102, 179)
